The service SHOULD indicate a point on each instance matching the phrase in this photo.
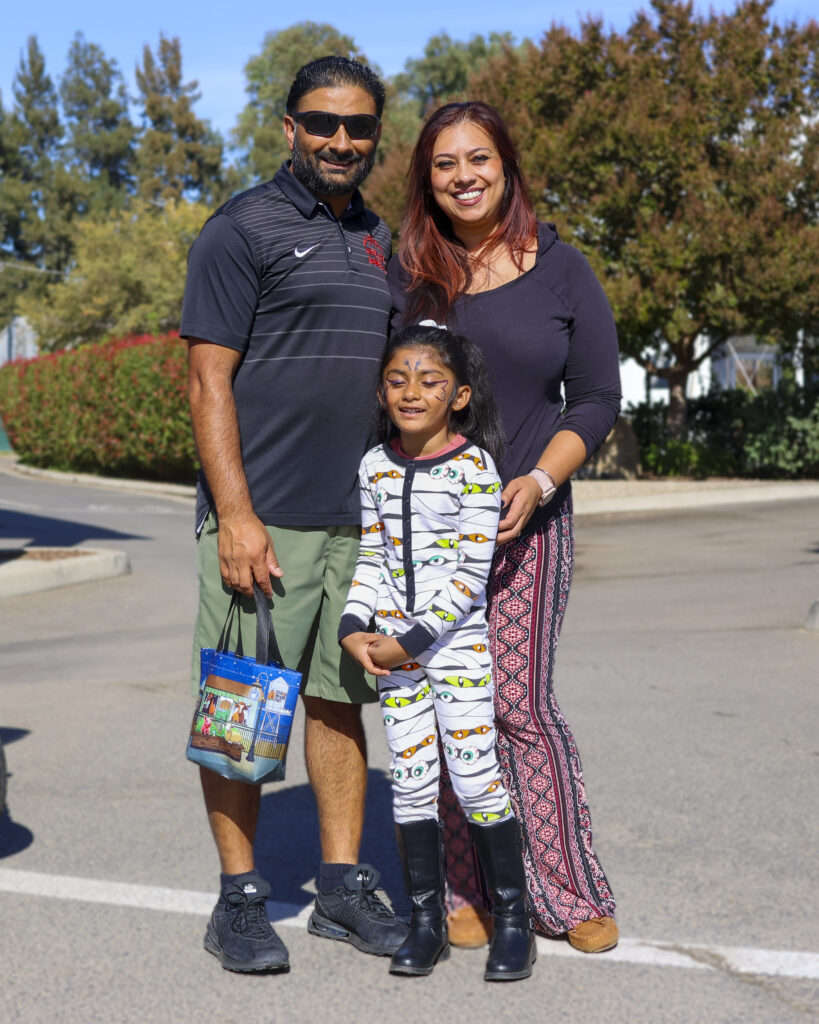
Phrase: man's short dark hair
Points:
(335, 73)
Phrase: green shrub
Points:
(119, 408)
(773, 434)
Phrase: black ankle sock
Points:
(227, 879)
(331, 876)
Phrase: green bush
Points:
(119, 408)
(773, 434)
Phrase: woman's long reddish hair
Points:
(431, 255)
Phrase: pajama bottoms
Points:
(540, 766)
(446, 694)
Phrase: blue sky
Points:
(217, 42)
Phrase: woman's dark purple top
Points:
(551, 326)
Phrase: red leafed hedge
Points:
(119, 408)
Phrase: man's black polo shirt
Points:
(274, 275)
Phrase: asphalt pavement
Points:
(684, 670)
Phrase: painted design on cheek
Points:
(442, 396)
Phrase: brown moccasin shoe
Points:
(469, 927)
(594, 936)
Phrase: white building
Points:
(742, 362)
(17, 340)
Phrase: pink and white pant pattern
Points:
(540, 766)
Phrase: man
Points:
(285, 312)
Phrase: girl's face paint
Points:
(417, 393)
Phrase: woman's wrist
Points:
(544, 479)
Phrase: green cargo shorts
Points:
(318, 564)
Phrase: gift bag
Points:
(245, 707)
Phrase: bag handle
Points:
(267, 648)
(224, 636)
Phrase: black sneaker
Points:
(354, 913)
(239, 933)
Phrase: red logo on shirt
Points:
(375, 253)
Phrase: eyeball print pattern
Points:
(437, 576)
(423, 700)
(428, 534)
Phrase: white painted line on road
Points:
(740, 960)
(737, 959)
(127, 894)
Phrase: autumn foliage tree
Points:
(681, 157)
(444, 70)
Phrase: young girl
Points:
(430, 502)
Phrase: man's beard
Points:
(307, 168)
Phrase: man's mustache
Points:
(325, 154)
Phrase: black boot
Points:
(421, 849)
(512, 951)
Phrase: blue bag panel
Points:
(243, 717)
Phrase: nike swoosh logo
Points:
(298, 253)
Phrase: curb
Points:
(591, 497)
(30, 577)
(754, 492)
(110, 483)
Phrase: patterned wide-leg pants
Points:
(540, 766)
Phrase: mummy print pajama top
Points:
(428, 529)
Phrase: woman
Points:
(474, 257)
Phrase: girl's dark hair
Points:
(479, 419)
(432, 257)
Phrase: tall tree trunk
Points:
(677, 406)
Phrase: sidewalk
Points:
(591, 497)
(596, 497)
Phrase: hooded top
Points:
(550, 327)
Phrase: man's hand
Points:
(245, 549)
(358, 646)
(246, 554)
(519, 500)
(386, 652)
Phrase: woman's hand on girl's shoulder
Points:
(518, 501)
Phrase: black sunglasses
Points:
(325, 124)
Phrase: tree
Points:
(443, 72)
(101, 135)
(269, 77)
(385, 189)
(128, 276)
(179, 155)
(38, 194)
(681, 157)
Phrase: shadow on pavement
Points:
(13, 836)
(10, 735)
(287, 843)
(43, 531)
